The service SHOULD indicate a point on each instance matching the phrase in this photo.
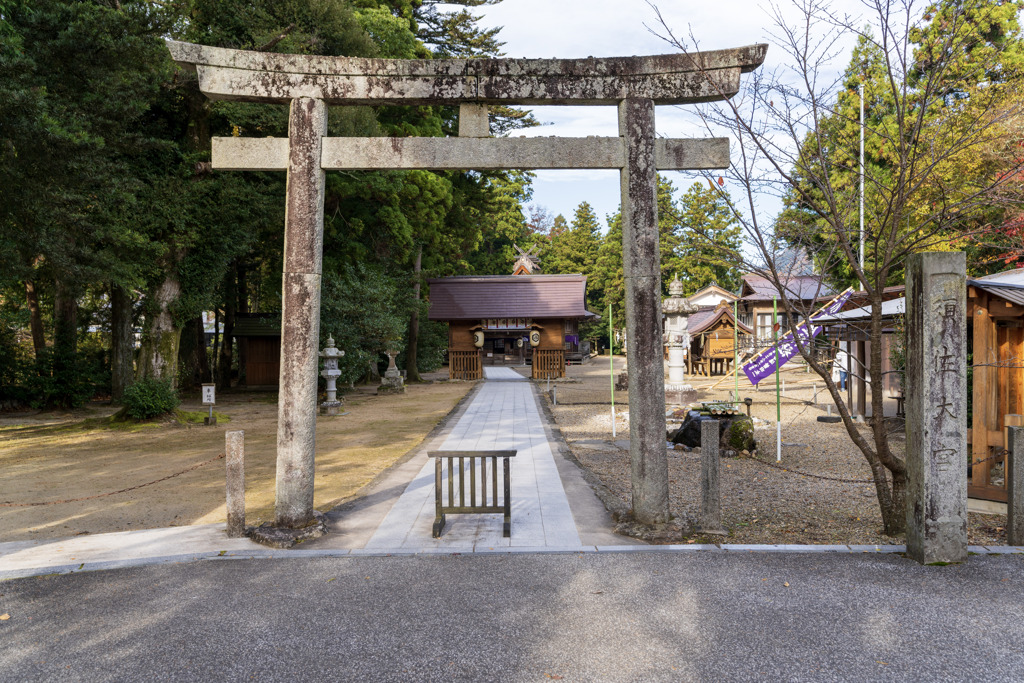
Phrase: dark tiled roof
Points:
(508, 296)
(258, 325)
(802, 287)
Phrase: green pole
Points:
(736, 349)
(611, 364)
(778, 405)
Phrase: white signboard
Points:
(209, 397)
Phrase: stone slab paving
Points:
(504, 415)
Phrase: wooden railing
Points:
(548, 363)
(464, 365)
(477, 461)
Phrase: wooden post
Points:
(986, 391)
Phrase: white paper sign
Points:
(209, 397)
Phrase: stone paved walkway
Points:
(503, 415)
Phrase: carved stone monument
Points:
(308, 83)
(392, 382)
(936, 407)
(330, 354)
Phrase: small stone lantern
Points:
(332, 406)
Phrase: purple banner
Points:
(763, 364)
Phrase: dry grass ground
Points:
(761, 504)
(61, 456)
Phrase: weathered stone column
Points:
(300, 314)
(1015, 487)
(234, 462)
(936, 407)
(710, 473)
(676, 362)
(642, 269)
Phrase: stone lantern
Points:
(677, 310)
(330, 354)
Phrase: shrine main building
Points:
(510, 320)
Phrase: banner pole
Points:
(611, 364)
(736, 349)
(778, 406)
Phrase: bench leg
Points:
(438, 525)
(438, 515)
(506, 530)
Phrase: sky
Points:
(617, 28)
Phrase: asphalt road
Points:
(595, 617)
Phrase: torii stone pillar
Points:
(641, 263)
(309, 83)
(300, 314)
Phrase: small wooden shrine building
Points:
(713, 337)
(995, 315)
(510, 320)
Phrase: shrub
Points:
(741, 434)
(61, 379)
(149, 398)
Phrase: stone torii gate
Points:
(310, 83)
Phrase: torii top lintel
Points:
(226, 74)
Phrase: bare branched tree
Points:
(937, 130)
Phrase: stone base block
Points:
(210, 421)
(282, 539)
(330, 408)
(389, 389)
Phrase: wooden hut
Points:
(995, 332)
(713, 333)
(492, 318)
(260, 366)
(995, 315)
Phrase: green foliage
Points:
(741, 435)
(366, 309)
(709, 239)
(433, 342)
(62, 379)
(149, 398)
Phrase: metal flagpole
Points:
(778, 406)
(611, 364)
(862, 176)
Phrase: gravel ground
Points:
(760, 504)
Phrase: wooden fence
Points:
(464, 365)
(548, 363)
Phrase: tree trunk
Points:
(226, 345)
(216, 341)
(122, 342)
(411, 370)
(158, 356)
(65, 321)
(192, 361)
(243, 307)
(35, 318)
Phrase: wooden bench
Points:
(460, 506)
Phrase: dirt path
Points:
(62, 456)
